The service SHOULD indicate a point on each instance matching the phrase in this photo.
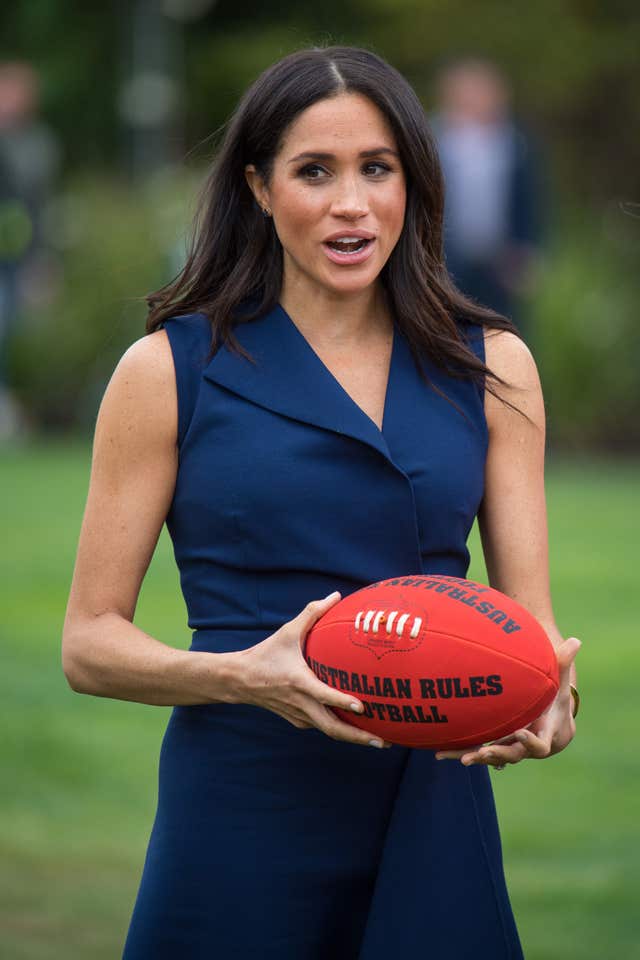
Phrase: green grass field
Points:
(78, 782)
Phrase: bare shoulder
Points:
(509, 358)
(148, 361)
(141, 397)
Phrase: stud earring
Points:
(266, 212)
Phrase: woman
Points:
(308, 412)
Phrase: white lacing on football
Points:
(370, 620)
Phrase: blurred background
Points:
(109, 115)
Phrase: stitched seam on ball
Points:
(374, 617)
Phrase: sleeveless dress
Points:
(270, 842)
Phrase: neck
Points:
(338, 319)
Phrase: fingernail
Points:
(376, 743)
(357, 707)
(330, 596)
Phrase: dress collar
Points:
(289, 378)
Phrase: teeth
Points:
(347, 245)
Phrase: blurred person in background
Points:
(29, 164)
(493, 196)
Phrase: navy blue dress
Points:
(270, 842)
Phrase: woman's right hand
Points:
(274, 675)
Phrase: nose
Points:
(350, 199)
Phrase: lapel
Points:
(289, 378)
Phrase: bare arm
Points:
(513, 517)
(513, 528)
(132, 480)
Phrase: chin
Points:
(352, 284)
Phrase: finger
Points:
(508, 740)
(294, 717)
(320, 691)
(329, 696)
(455, 754)
(335, 728)
(537, 747)
(495, 756)
(490, 751)
(508, 750)
(566, 654)
(313, 611)
(296, 721)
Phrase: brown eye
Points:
(312, 171)
(376, 168)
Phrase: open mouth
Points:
(349, 245)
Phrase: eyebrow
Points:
(321, 155)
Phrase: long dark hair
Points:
(235, 256)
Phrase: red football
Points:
(437, 661)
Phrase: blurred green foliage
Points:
(585, 332)
(15, 229)
(115, 244)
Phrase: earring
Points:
(266, 212)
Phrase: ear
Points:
(257, 185)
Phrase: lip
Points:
(349, 259)
(347, 232)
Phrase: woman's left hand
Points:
(549, 734)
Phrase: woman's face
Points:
(337, 194)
